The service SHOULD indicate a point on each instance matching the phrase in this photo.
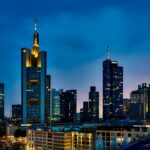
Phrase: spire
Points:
(35, 49)
(35, 24)
(108, 52)
(36, 35)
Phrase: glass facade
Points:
(47, 104)
(84, 113)
(126, 106)
(140, 103)
(1, 102)
(68, 104)
(93, 105)
(112, 90)
(16, 114)
(55, 105)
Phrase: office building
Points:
(68, 106)
(78, 117)
(126, 106)
(1, 102)
(34, 84)
(47, 103)
(16, 117)
(84, 113)
(55, 105)
(93, 105)
(140, 103)
(112, 90)
(60, 140)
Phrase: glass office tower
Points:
(55, 105)
(140, 103)
(93, 104)
(84, 113)
(16, 114)
(1, 102)
(35, 84)
(68, 106)
(112, 90)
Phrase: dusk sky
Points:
(75, 34)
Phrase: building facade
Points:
(115, 136)
(34, 84)
(140, 103)
(60, 140)
(112, 90)
(68, 106)
(55, 105)
(47, 103)
(16, 117)
(1, 102)
(126, 106)
(84, 113)
(93, 105)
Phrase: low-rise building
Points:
(60, 140)
(122, 134)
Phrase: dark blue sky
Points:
(75, 34)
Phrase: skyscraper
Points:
(84, 112)
(93, 105)
(126, 106)
(1, 102)
(112, 89)
(68, 106)
(55, 105)
(35, 81)
(16, 114)
(47, 103)
(140, 103)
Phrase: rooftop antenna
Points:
(108, 52)
(35, 24)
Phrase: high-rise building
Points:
(34, 83)
(112, 89)
(140, 103)
(1, 102)
(93, 105)
(55, 105)
(47, 103)
(68, 106)
(16, 114)
(126, 106)
(84, 112)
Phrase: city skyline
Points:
(76, 40)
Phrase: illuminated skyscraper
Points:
(140, 103)
(126, 107)
(1, 102)
(47, 103)
(55, 105)
(93, 105)
(112, 89)
(35, 84)
(68, 104)
(84, 113)
(16, 114)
